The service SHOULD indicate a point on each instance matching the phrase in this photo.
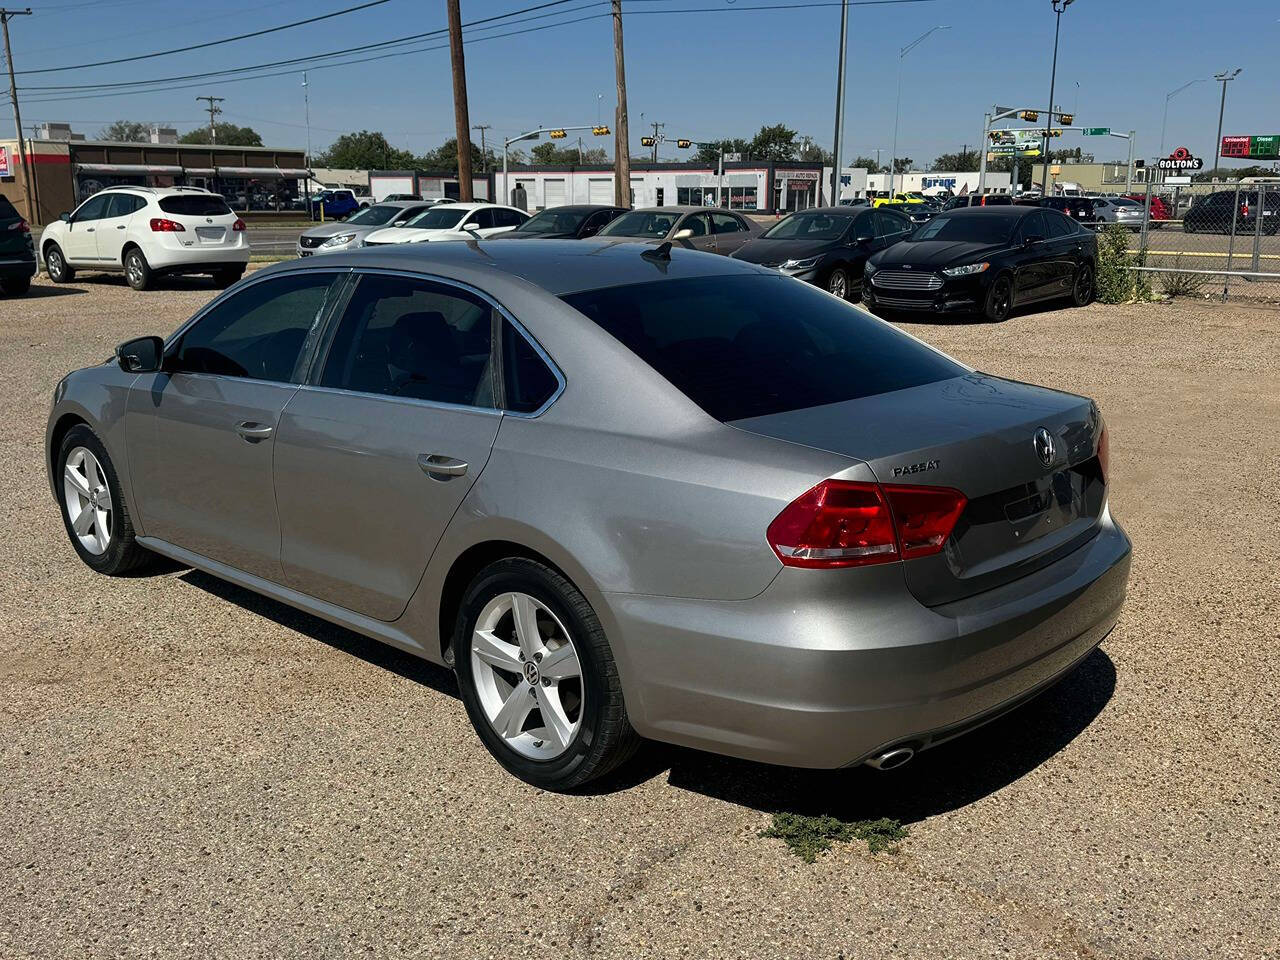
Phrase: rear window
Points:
(7, 210)
(195, 205)
(743, 347)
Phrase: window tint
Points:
(1058, 225)
(377, 215)
(407, 337)
(195, 205)
(529, 381)
(258, 332)
(1031, 226)
(892, 225)
(641, 223)
(970, 228)
(480, 219)
(726, 223)
(811, 225)
(7, 210)
(697, 222)
(864, 225)
(506, 218)
(754, 345)
(596, 221)
(95, 208)
(123, 204)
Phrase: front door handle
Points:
(440, 467)
(120, 226)
(253, 432)
(89, 229)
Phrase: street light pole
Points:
(306, 108)
(1058, 7)
(1224, 77)
(837, 144)
(893, 157)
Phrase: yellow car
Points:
(881, 197)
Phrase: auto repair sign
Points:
(4, 162)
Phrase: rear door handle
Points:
(440, 467)
(120, 226)
(253, 432)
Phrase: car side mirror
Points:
(142, 355)
(64, 216)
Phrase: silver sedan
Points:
(709, 229)
(347, 234)
(623, 492)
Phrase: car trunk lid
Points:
(976, 434)
(15, 234)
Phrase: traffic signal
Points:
(1031, 116)
(684, 144)
(646, 141)
(1066, 118)
(601, 131)
(556, 134)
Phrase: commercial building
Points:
(1088, 178)
(750, 186)
(940, 182)
(428, 184)
(67, 171)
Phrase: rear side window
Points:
(507, 218)
(726, 223)
(529, 381)
(743, 347)
(1058, 225)
(410, 337)
(195, 205)
(258, 332)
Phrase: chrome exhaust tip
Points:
(891, 759)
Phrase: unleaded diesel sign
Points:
(1252, 148)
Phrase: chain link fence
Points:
(1220, 238)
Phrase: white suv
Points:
(146, 231)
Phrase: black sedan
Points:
(985, 260)
(827, 246)
(564, 223)
(917, 213)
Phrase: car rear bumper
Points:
(827, 668)
(171, 256)
(18, 266)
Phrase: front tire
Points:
(137, 272)
(999, 300)
(55, 262)
(1082, 287)
(838, 283)
(537, 677)
(15, 286)
(94, 513)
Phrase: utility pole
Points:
(484, 153)
(656, 128)
(306, 104)
(214, 110)
(27, 166)
(461, 118)
(837, 145)
(622, 138)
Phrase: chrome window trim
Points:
(487, 298)
(393, 398)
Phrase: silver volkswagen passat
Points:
(622, 492)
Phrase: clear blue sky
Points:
(710, 74)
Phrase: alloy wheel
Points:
(838, 284)
(1084, 286)
(527, 675)
(54, 264)
(134, 269)
(88, 500)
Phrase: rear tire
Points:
(225, 278)
(502, 687)
(1082, 287)
(136, 270)
(89, 495)
(55, 263)
(15, 286)
(999, 300)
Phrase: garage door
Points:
(600, 191)
(554, 196)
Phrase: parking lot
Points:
(188, 769)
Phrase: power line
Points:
(212, 43)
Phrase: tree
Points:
(445, 157)
(228, 135)
(966, 161)
(774, 143)
(812, 153)
(869, 165)
(126, 131)
(366, 150)
(901, 164)
(552, 152)
(709, 152)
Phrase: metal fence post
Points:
(1146, 219)
(1257, 225)
(1231, 242)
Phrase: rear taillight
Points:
(846, 523)
(1104, 454)
(238, 225)
(20, 225)
(1244, 209)
(161, 225)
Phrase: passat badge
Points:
(921, 467)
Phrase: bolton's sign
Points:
(1180, 159)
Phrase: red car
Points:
(1158, 209)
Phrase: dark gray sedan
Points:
(622, 491)
(709, 229)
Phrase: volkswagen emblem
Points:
(1043, 442)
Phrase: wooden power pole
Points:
(461, 118)
(622, 139)
(28, 167)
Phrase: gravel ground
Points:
(187, 770)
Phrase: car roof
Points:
(676, 208)
(556, 266)
(1000, 210)
(583, 207)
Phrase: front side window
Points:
(258, 332)
(480, 220)
(412, 337)
(696, 224)
(1032, 226)
(808, 226)
(95, 208)
(437, 218)
(749, 346)
(506, 218)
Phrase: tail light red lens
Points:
(238, 225)
(846, 523)
(162, 225)
(1244, 209)
(1104, 454)
(21, 225)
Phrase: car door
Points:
(1031, 256)
(80, 242)
(373, 458)
(701, 236)
(891, 227)
(730, 230)
(1066, 243)
(201, 433)
(113, 228)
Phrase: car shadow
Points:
(37, 291)
(945, 778)
(159, 283)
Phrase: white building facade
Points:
(939, 182)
